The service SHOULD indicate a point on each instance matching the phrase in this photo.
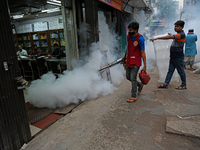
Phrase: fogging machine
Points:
(121, 60)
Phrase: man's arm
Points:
(144, 60)
(169, 36)
(59, 53)
(53, 53)
(25, 53)
(126, 55)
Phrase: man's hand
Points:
(144, 68)
(169, 34)
(153, 39)
(50, 56)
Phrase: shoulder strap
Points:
(137, 37)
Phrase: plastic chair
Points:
(42, 66)
(27, 69)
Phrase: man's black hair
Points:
(191, 30)
(134, 25)
(180, 23)
(56, 44)
(34, 45)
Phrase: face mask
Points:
(131, 33)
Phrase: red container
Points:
(144, 77)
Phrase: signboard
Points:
(114, 3)
(187, 4)
(157, 22)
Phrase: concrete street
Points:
(110, 123)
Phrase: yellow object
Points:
(62, 43)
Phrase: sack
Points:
(144, 77)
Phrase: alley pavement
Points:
(110, 123)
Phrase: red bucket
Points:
(144, 77)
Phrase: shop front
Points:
(72, 24)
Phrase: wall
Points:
(40, 24)
(14, 126)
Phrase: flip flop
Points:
(192, 69)
(164, 85)
(181, 87)
(131, 100)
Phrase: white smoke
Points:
(189, 15)
(84, 34)
(83, 82)
(109, 42)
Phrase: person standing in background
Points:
(190, 49)
(21, 52)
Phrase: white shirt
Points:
(22, 53)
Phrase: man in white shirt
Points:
(21, 52)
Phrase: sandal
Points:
(131, 100)
(164, 85)
(192, 69)
(140, 89)
(181, 87)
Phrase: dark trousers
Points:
(179, 65)
(131, 75)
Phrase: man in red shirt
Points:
(135, 51)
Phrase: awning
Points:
(142, 4)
